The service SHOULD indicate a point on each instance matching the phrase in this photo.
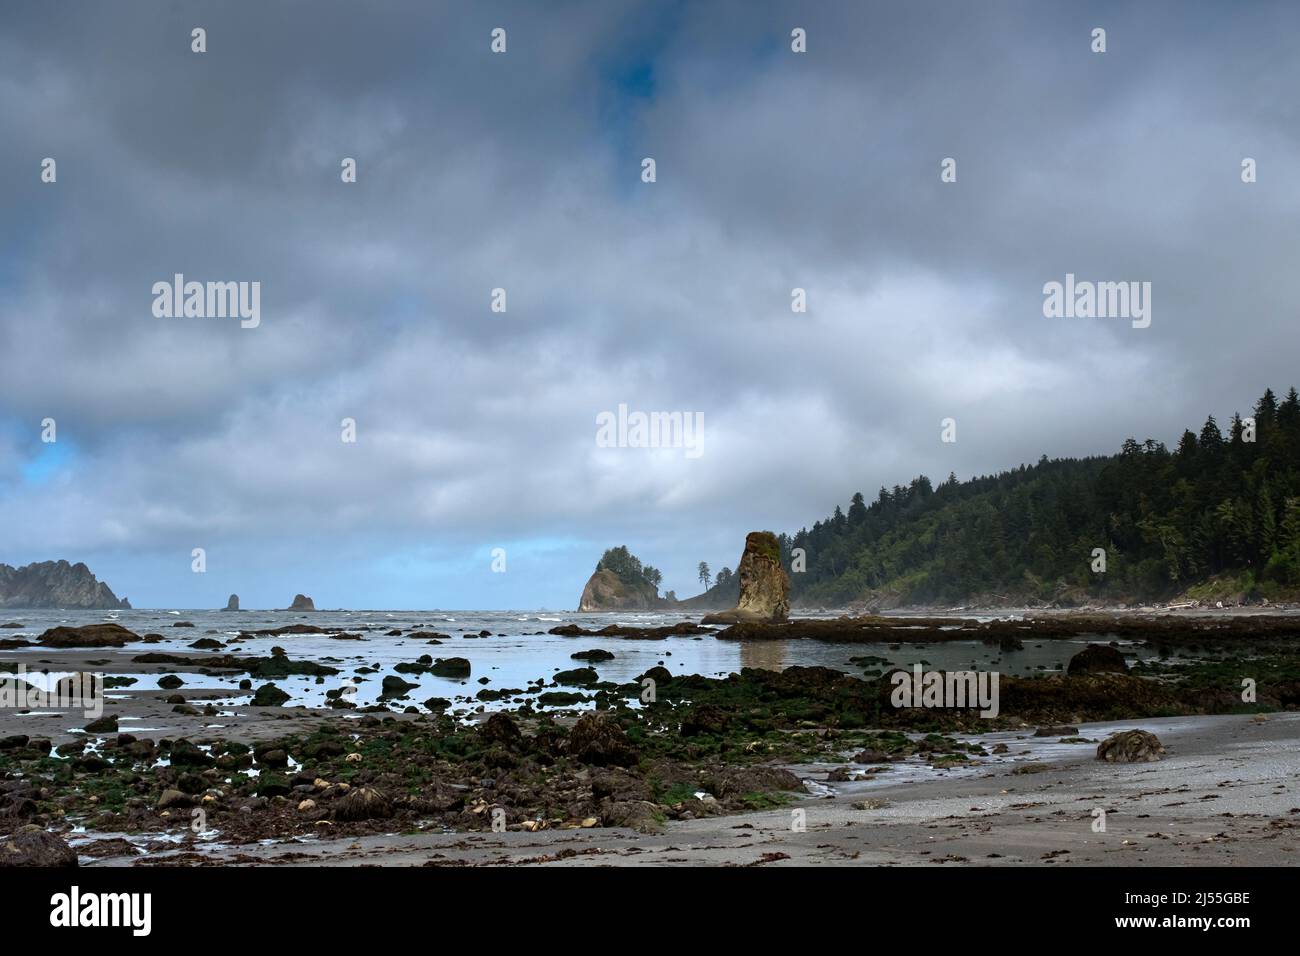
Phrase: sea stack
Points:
(764, 585)
(604, 591)
(301, 603)
(621, 583)
(232, 604)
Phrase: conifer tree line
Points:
(629, 568)
(1219, 508)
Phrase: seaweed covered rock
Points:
(705, 719)
(597, 740)
(501, 729)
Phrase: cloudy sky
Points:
(775, 170)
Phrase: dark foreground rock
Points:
(268, 695)
(1097, 659)
(35, 847)
(450, 667)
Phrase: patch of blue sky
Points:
(49, 463)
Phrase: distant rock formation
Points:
(622, 583)
(606, 591)
(233, 603)
(764, 585)
(56, 584)
(301, 603)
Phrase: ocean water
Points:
(517, 652)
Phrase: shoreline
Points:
(1213, 801)
(708, 774)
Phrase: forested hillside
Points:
(1220, 514)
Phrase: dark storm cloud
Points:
(521, 171)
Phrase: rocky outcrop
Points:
(606, 591)
(301, 603)
(764, 585)
(56, 584)
(233, 603)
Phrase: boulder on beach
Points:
(764, 585)
(301, 602)
(363, 803)
(233, 603)
(268, 695)
(91, 635)
(104, 725)
(1130, 746)
(1097, 659)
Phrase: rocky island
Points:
(56, 584)
(621, 583)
